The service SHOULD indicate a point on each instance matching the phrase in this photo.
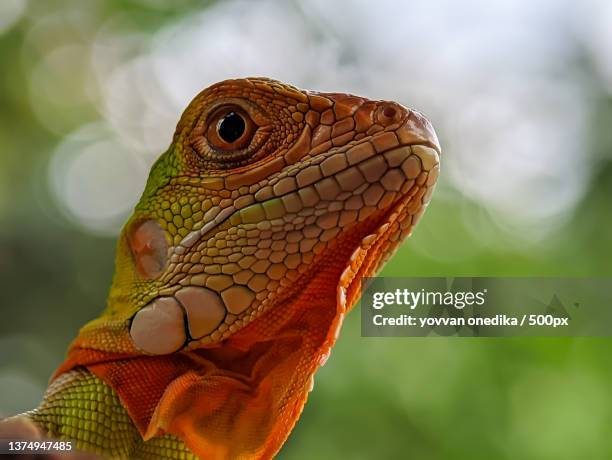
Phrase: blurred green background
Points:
(521, 95)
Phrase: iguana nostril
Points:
(389, 113)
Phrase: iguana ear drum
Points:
(149, 248)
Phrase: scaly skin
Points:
(235, 271)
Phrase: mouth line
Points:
(429, 144)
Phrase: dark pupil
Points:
(231, 127)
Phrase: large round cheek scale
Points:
(204, 308)
(159, 328)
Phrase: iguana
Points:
(235, 271)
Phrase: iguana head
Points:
(263, 186)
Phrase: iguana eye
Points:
(230, 128)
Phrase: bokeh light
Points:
(10, 12)
(96, 179)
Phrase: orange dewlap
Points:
(238, 400)
(241, 399)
